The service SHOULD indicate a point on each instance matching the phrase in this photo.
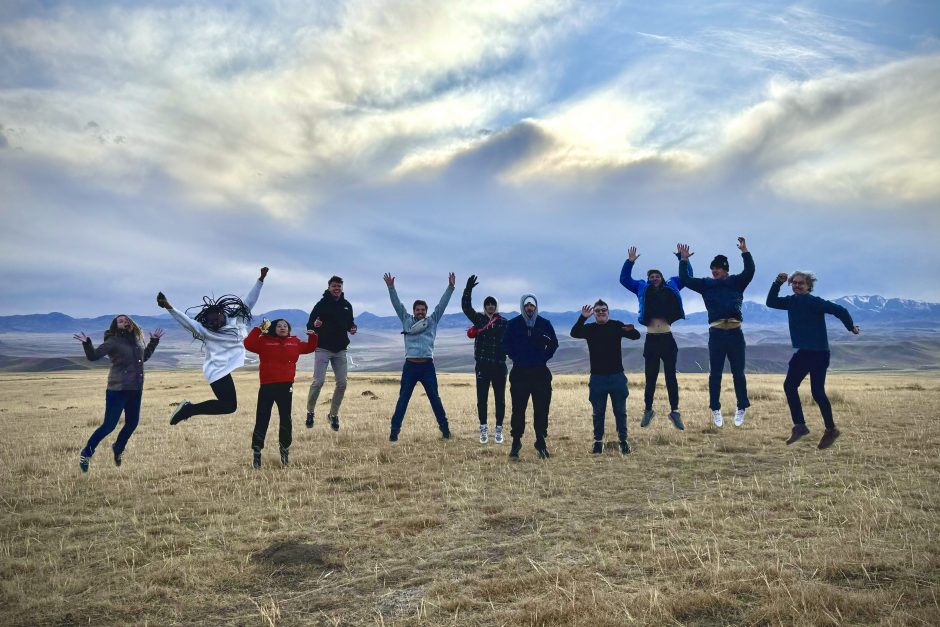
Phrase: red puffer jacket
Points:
(278, 355)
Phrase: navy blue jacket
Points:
(530, 347)
(807, 317)
(723, 297)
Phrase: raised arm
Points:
(92, 353)
(465, 300)
(393, 296)
(626, 273)
(578, 330)
(152, 344)
(685, 271)
(445, 298)
(252, 297)
(774, 300)
(744, 279)
(674, 280)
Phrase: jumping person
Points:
(419, 330)
(607, 376)
(490, 357)
(278, 351)
(723, 295)
(530, 342)
(222, 325)
(660, 305)
(124, 346)
(806, 315)
(332, 319)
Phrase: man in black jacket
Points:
(332, 319)
(488, 330)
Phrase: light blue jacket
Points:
(419, 342)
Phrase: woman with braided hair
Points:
(222, 325)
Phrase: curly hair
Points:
(228, 305)
(809, 276)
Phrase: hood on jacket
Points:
(522, 301)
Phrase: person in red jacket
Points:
(279, 352)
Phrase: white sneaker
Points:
(484, 434)
(739, 417)
(717, 419)
(499, 434)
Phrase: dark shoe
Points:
(83, 461)
(256, 459)
(393, 436)
(309, 422)
(176, 418)
(798, 432)
(334, 423)
(829, 437)
(624, 447)
(117, 456)
(676, 419)
(445, 432)
(647, 418)
(284, 456)
(598, 447)
(541, 449)
(514, 450)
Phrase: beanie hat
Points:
(720, 261)
(489, 300)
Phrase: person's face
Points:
(215, 320)
(123, 323)
(489, 309)
(529, 309)
(601, 314)
(719, 273)
(420, 312)
(281, 328)
(800, 285)
(336, 289)
(655, 279)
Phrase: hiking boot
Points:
(176, 418)
(514, 449)
(334, 423)
(541, 449)
(484, 434)
(829, 437)
(499, 434)
(117, 456)
(676, 419)
(83, 461)
(256, 459)
(739, 417)
(393, 436)
(647, 418)
(309, 422)
(598, 447)
(624, 447)
(717, 419)
(284, 456)
(798, 432)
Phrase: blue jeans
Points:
(600, 387)
(411, 374)
(728, 343)
(116, 401)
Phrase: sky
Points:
(180, 146)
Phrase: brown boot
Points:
(829, 437)
(798, 432)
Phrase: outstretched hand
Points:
(742, 245)
(264, 273)
(856, 330)
(587, 311)
(782, 278)
(162, 302)
(632, 255)
(81, 337)
(451, 279)
(472, 282)
(389, 279)
(684, 253)
(156, 334)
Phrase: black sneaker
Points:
(284, 457)
(445, 432)
(647, 418)
(676, 419)
(176, 418)
(83, 461)
(393, 436)
(334, 423)
(541, 449)
(256, 459)
(514, 450)
(798, 432)
(117, 456)
(829, 437)
(624, 447)
(309, 422)
(598, 447)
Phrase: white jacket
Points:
(224, 349)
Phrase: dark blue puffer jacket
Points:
(723, 297)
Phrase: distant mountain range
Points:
(866, 310)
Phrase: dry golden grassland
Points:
(705, 526)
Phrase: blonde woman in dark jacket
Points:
(124, 346)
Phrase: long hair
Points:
(228, 305)
(133, 330)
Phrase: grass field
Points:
(705, 526)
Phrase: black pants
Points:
(226, 402)
(491, 373)
(815, 364)
(534, 381)
(268, 395)
(661, 347)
